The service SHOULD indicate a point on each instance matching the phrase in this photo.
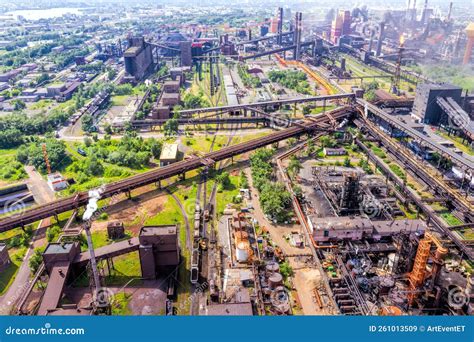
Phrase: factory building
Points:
(159, 249)
(138, 59)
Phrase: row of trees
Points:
(17, 126)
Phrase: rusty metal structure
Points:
(419, 273)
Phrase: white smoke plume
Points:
(94, 197)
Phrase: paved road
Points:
(22, 278)
(42, 193)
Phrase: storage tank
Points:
(276, 279)
(242, 253)
(272, 267)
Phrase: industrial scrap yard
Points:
(265, 161)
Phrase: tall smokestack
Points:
(413, 18)
(280, 25)
(297, 35)
(380, 40)
(424, 13)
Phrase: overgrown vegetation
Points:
(247, 79)
(32, 154)
(274, 198)
(291, 79)
(370, 89)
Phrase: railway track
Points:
(408, 162)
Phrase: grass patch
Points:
(41, 104)
(119, 100)
(450, 219)
(8, 275)
(126, 268)
(10, 169)
(378, 152)
(226, 196)
(171, 214)
(398, 171)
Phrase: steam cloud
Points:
(94, 197)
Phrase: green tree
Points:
(298, 192)
(155, 147)
(42, 78)
(94, 167)
(294, 166)
(347, 162)
(286, 270)
(243, 181)
(88, 141)
(223, 179)
(33, 154)
(171, 127)
(35, 260)
(88, 124)
(18, 105)
(108, 129)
